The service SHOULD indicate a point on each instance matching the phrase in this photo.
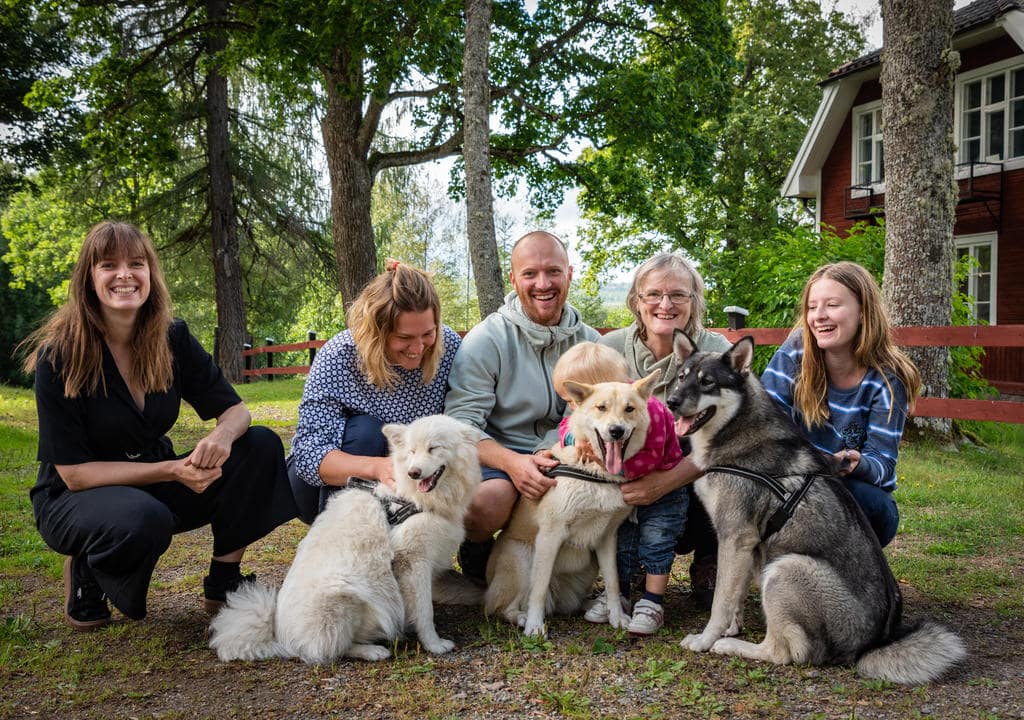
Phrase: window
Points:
(992, 117)
(980, 282)
(867, 146)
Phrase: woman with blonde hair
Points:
(848, 386)
(390, 366)
(111, 369)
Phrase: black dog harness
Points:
(397, 509)
(790, 500)
(576, 473)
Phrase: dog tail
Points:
(244, 627)
(921, 653)
(454, 588)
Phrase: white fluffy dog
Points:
(356, 580)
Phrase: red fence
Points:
(968, 336)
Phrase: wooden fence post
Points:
(311, 336)
(270, 359)
(247, 361)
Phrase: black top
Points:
(109, 426)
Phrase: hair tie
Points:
(391, 265)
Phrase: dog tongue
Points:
(683, 425)
(613, 458)
(424, 485)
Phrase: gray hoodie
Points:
(501, 378)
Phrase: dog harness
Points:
(577, 474)
(789, 499)
(397, 509)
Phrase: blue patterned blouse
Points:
(337, 389)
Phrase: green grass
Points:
(959, 554)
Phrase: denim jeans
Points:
(363, 436)
(647, 539)
(878, 506)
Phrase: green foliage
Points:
(781, 51)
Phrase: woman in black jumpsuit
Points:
(112, 368)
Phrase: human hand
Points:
(848, 461)
(653, 486)
(384, 471)
(526, 472)
(196, 479)
(210, 452)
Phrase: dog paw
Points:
(370, 653)
(622, 623)
(725, 646)
(439, 647)
(697, 643)
(535, 629)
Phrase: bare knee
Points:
(490, 509)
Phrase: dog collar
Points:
(563, 470)
(397, 509)
(789, 499)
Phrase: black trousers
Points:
(122, 531)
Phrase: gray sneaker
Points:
(598, 612)
(648, 618)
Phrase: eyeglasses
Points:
(676, 298)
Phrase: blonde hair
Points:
(73, 335)
(590, 363)
(374, 315)
(669, 262)
(873, 347)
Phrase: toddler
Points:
(647, 538)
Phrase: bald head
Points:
(541, 275)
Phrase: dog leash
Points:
(790, 500)
(397, 509)
(563, 470)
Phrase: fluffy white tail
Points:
(922, 655)
(244, 627)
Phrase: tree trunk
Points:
(483, 247)
(227, 269)
(918, 69)
(351, 184)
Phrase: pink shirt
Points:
(661, 451)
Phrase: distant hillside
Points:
(614, 293)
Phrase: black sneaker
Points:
(85, 603)
(703, 572)
(215, 595)
(473, 558)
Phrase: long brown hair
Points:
(73, 335)
(873, 347)
(374, 315)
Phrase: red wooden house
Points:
(840, 164)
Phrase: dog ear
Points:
(394, 433)
(578, 392)
(741, 355)
(646, 386)
(683, 346)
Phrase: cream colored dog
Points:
(357, 580)
(543, 562)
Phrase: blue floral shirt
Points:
(337, 389)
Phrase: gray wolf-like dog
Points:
(356, 581)
(543, 562)
(828, 595)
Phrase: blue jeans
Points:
(363, 436)
(878, 506)
(647, 544)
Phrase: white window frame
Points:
(877, 174)
(971, 243)
(1006, 68)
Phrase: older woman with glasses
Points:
(667, 294)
